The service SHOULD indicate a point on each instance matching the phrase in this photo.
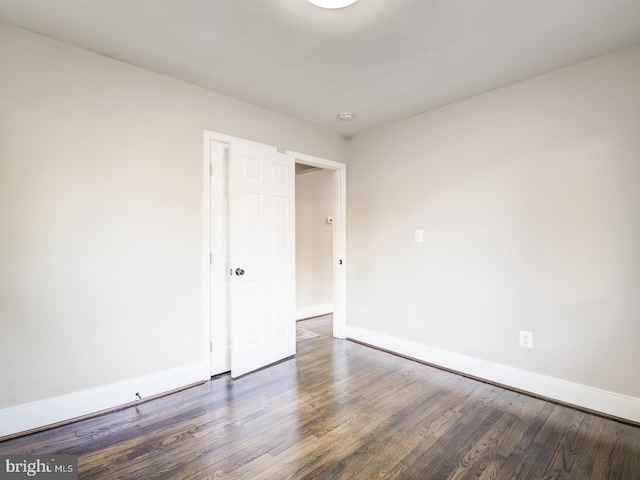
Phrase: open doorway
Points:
(218, 221)
(314, 242)
(339, 186)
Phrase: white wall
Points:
(529, 197)
(314, 243)
(101, 183)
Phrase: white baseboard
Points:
(314, 311)
(609, 403)
(38, 414)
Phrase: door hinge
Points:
(210, 347)
(210, 169)
(211, 259)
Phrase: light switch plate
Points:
(419, 236)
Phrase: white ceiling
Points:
(380, 59)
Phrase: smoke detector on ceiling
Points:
(345, 116)
(332, 3)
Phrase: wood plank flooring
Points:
(340, 410)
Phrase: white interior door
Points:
(262, 256)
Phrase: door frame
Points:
(214, 256)
(339, 236)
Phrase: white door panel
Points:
(262, 253)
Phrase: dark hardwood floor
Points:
(341, 410)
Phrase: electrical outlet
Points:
(526, 339)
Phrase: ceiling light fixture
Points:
(345, 116)
(332, 3)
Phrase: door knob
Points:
(239, 271)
